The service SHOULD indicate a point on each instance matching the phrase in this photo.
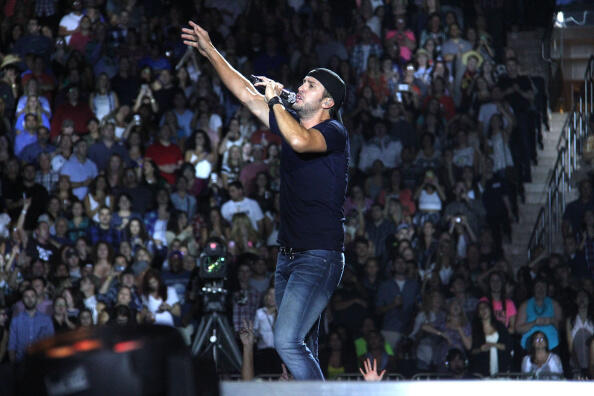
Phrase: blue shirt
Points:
(398, 319)
(22, 140)
(26, 330)
(31, 151)
(313, 190)
(112, 236)
(79, 172)
(100, 154)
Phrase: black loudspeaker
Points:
(112, 361)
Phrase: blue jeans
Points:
(304, 283)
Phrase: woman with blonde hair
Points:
(243, 236)
(454, 330)
(32, 106)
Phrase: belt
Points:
(287, 251)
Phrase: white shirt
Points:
(263, 328)
(153, 304)
(70, 22)
(386, 150)
(486, 111)
(501, 156)
(552, 368)
(247, 206)
(91, 304)
(493, 357)
(429, 201)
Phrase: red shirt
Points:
(268, 136)
(80, 114)
(447, 104)
(78, 41)
(165, 155)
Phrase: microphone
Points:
(286, 95)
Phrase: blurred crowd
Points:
(122, 155)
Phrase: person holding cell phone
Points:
(314, 177)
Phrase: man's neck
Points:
(31, 312)
(399, 277)
(108, 142)
(311, 120)
(28, 183)
(165, 143)
(81, 159)
(104, 226)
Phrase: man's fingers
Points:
(382, 374)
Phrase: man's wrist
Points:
(274, 100)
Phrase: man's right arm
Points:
(239, 86)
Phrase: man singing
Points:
(314, 165)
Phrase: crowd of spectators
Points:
(122, 155)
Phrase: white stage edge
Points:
(503, 387)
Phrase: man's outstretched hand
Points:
(246, 333)
(370, 372)
(196, 37)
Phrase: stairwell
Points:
(516, 251)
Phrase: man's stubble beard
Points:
(305, 110)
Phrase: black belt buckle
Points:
(289, 252)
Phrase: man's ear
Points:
(327, 103)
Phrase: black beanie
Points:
(333, 84)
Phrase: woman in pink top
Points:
(496, 294)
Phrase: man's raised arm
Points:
(241, 87)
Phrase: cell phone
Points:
(119, 268)
(137, 119)
(213, 177)
(403, 87)
(458, 219)
(399, 97)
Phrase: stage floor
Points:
(503, 387)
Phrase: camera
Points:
(213, 262)
(403, 87)
(458, 219)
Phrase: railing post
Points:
(549, 230)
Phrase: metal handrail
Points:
(570, 144)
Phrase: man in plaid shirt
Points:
(103, 231)
(246, 300)
(45, 175)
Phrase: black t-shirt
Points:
(126, 89)
(39, 198)
(574, 213)
(495, 190)
(517, 101)
(45, 252)
(9, 99)
(313, 190)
